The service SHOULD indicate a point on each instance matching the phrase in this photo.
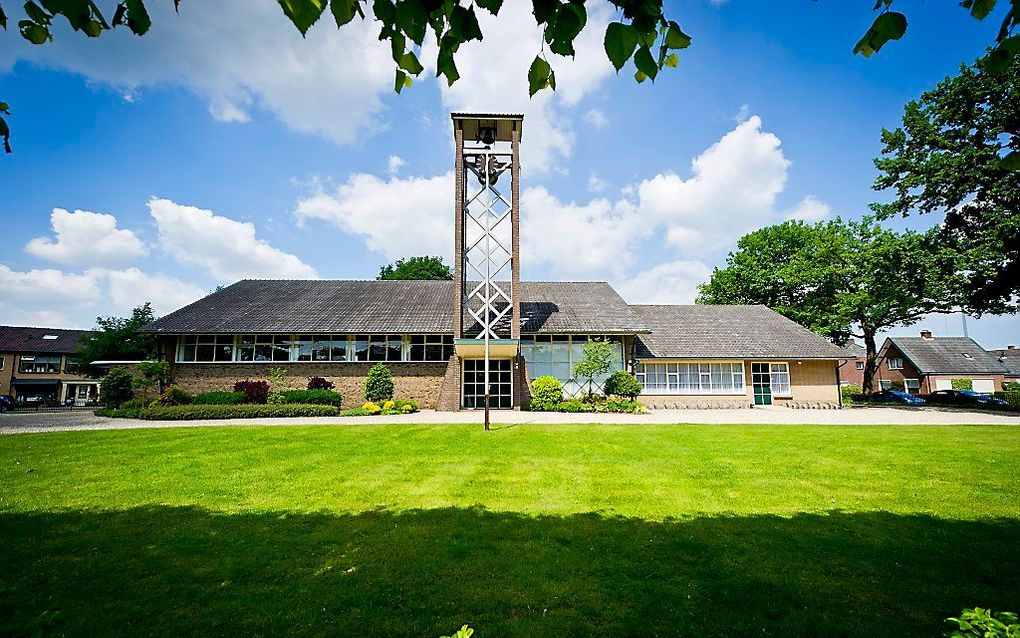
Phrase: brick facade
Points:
(412, 380)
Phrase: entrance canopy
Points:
(475, 348)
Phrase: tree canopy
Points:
(117, 339)
(958, 152)
(643, 34)
(416, 268)
(840, 279)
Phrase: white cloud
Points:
(494, 76)
(732, 190)
(398, 217)
(237, 54)
(394, 164)
(577, 240)
(84, 238)
(55, 298)
(811, 209)
(666, 283)
(227, 249)
(167, 294)
(595, 118)
(596, 184)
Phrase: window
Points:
(895, 363)
(556, 356)
(205, 348)
(431, 348)
(49, 337)
(500, 383)
(912, 386)
(378, 348)
(859, 365)
(885, 384)
(39, 365)
(780, 373)
(691, 378)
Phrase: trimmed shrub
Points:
(983, 623)
(849, 391)
(623, 384)
(405, 406)
(173, 396)
(219, 397)
(245, 411)
(254, 391)
(116, 387)
(379, 384)
(1012, 398)
(963, 384)
(312, 397)
(356, 412)
(318, 383)
(1011, 386)
(546, 393)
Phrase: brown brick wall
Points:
(412, 380)
(449, 389)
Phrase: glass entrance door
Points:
(500, 384)
(761, 379)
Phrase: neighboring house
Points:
(434, 334)
(1009, 357)
(35, 366)
(851, 371)
(927, 363)
(700, 355)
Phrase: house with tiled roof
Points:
(1009, 357)
(487, 334)
(36, 368)
(928, 363)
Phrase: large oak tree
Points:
(840, 279)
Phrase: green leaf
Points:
(445, 64)
(345, 10)
(398, 83)
(645, 63)
(409, 62)
(5, 108)
(92, 29)
(3, 18)
(888, 26)
(303, 13)
(979, 8)
(569, 22)
(36, 14)
(492, 6)
(464, 24)
(138, 19)
(672, 60)
(676, 38)
(1011, 162)
(544, 10)
(397, 41)
(412, 19)
(34, 33)
(620, 41)
(119, 14)
(538, 76)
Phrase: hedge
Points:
(219, 397)
(246, 411)
(1012, 398)
(312, 397)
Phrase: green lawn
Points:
(524, 531)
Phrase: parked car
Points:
(896, 396)
(965, 397)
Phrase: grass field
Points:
(525, 531)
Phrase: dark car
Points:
(896, 396)
(965, 397)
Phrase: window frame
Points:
(248, 347)
(678, 377)
(37, 359)
(896, 367)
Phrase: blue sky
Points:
(200, 154)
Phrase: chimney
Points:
(926, 334)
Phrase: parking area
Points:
(52, 422)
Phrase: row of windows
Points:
(556, 356)
(39, 365)
(691, 378)
(283, 348)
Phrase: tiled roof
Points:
(946, 355)
(1010, 359)
(28, 340)
(738, 332)
(319, 306)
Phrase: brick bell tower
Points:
(487, 271)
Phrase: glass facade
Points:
(556, 356)
(312, 347)
(690, 378)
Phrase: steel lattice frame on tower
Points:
(487, 234)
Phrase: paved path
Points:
(50, 422)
